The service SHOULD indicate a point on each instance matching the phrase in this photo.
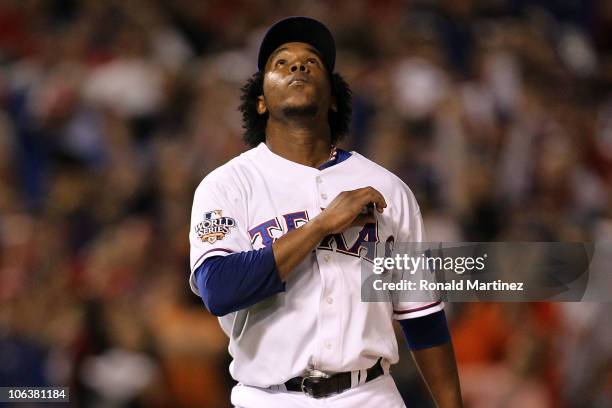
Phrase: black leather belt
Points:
(320, 387)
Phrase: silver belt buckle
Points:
(312, 375)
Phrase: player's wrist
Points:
(319, 226)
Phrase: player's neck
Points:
(306, 145)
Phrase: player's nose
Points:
(298, 65)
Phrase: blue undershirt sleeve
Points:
(236, 281)
(426, 331)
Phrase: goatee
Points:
(306, 111)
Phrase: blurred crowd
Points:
(497, 113)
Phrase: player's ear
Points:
(333, 101)
(261, 105)
(334, 104)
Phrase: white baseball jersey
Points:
(320, 321)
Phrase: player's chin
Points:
(300, 94)
(300, 107)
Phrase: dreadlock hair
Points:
(254, 124)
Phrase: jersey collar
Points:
(337, 156)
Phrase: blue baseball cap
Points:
(299, 29)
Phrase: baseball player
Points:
(278, 235)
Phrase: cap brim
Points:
(298, 29)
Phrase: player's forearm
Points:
(293, 247)
(346, 210)
(439, 371)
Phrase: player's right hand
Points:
(346, 210)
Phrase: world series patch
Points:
(214, 227)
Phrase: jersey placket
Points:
(329, 314)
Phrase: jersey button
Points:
(319, 179)
(326, 258)
(324, 196)
(330, 300)
(328, 345)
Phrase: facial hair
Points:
(306, 111)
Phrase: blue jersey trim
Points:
(341, 155)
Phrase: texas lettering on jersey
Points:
(269, 230)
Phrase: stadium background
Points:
(498, 114)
